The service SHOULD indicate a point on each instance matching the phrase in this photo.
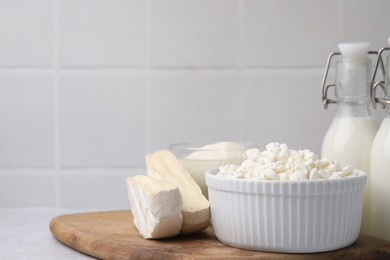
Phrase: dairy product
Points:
(218, 151)
(211, 156)
(349, 141)
(380, 182)
(195, 207)
(278, 162)
(156, 206)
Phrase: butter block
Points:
(156, 206)
(163, 165)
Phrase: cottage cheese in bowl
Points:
(283, 200)
(278, 162)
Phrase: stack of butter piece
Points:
(168, 201)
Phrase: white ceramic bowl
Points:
(286, 216)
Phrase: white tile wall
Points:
(28, 187)
(101, 33)
(26, 38)
(288, 33)
(102, 119)
(88, 87)
(94, 188)
(284, 106)
(366, 20)
(194, 33)
(27, 119)
(186, 103)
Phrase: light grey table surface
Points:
(25, 234)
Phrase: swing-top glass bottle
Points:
(352, 131)
(380, 158)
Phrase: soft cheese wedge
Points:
(196, 208)
(156, 206)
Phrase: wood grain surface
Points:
(112, 235)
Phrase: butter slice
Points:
(156, 206)
(164, 165)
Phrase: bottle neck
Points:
(353, 108)
(353, 87)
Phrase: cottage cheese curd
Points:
(279, 162)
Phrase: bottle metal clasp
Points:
(381, 83)
(325, 88)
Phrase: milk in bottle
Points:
(380, 166)
(352, 131)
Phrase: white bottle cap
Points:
(353, 50)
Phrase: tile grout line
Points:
(340, 17)
(240, 34)
(81, 70)
(55, 71)
(240, 70)
(148, 116)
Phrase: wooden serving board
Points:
(112, 235)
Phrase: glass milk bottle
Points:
(380, 160)
(352, 131)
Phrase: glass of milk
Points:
(198, 158)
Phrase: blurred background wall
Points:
(88, 87)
